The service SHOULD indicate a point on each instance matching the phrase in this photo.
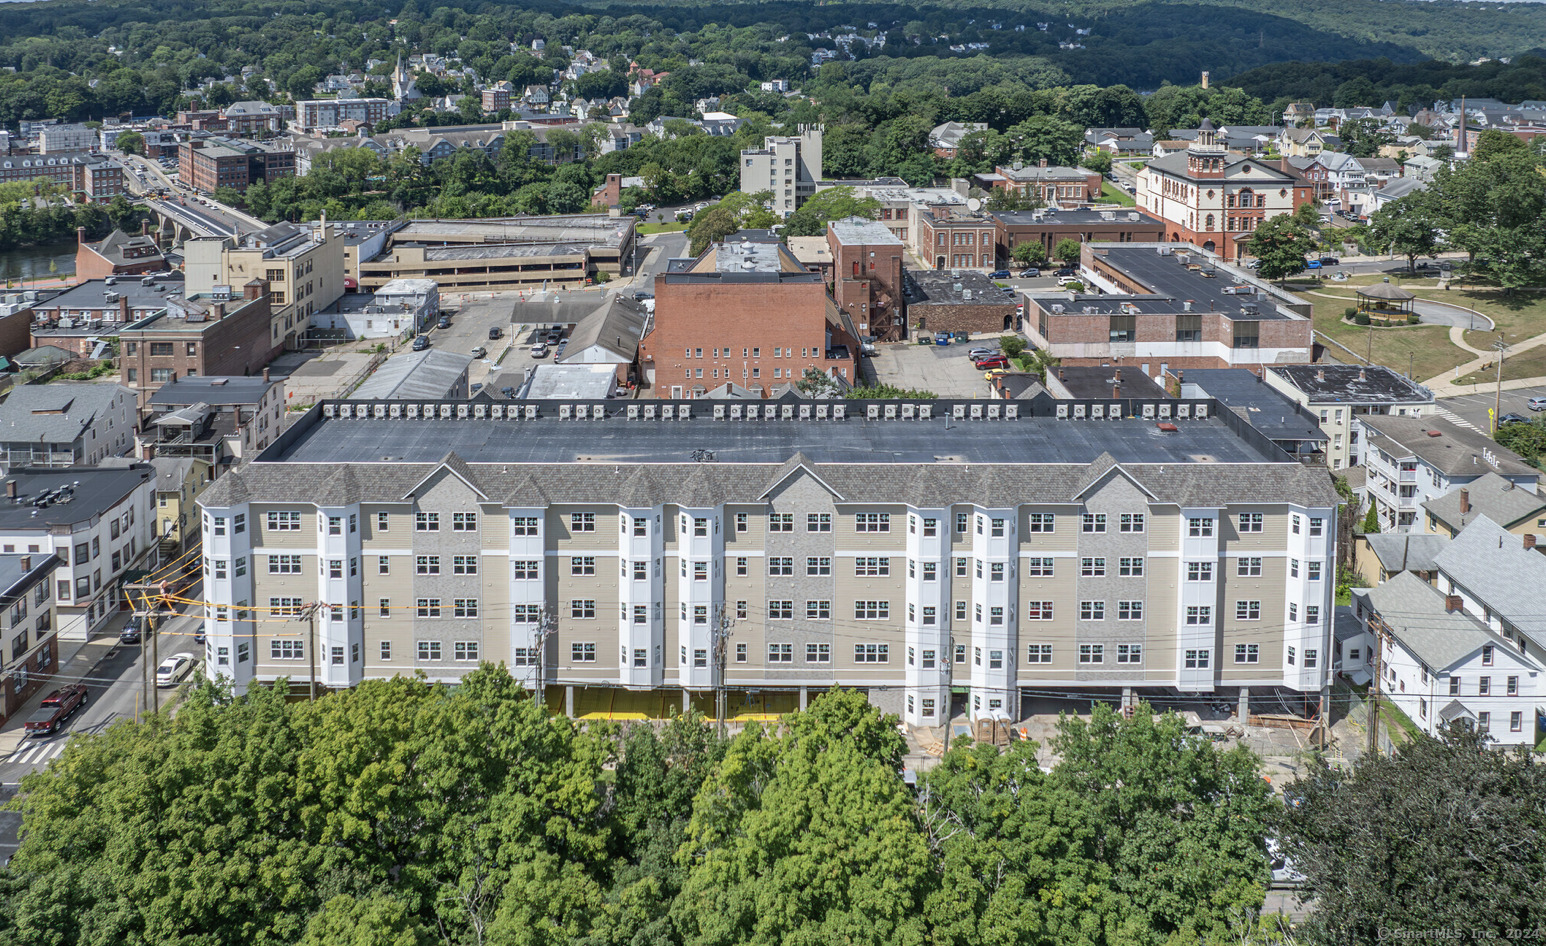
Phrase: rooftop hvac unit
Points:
(719, 412)
(805, 412)
(649, 412)
(890, 412)
(1164, 410)
(1057, 308)
(925, 411)
(461, 411)
(582, 412)
(633, 412)
(735, 412)
(821, 412)
(683, 412)
(1062, 412)
(786, 412)
(1011, 411)
(976, 412)
(445, 412)
(1148, 412)
(428, 411)
(565, 410)
(958, 411)
(413, 411)
(329, 410)
(497, 412)
(1201, 411)
(379, 411)
(531, 412)
(908, 411)
(1098, 411)
(1183, 410)
(993, 411)
(872, 411)
(1114, 412)
(395, 411)
(480, 411)
(668, 412)
(1079, 411)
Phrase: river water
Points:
(29, 263)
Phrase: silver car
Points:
(1536, 403)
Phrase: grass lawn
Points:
(1424, 349)
(1397, 721)
(1111, 192)
(1528, 364)
(645, 229)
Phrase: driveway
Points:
(943, 369)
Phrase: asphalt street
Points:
(115, 692)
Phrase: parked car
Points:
(1512, 418)
(131, 631)
(479, 352)
(983, 364)
(1066, 271)
(1536, 404)
(976, 353)
(174, 670)
(999, 274)
(1065, 280)
(1031, 273)
(1312, 264)
(1330, 261)
(539, 350)
(56, 707)
(495, 332)
(1284, 873)
(445, 322)
(420, 342)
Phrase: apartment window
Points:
(582, 608)
(1129, 610)
(582, 565)
(1093, 522)
(740, 653)
(285, 607)
(996, 527)
(780, 653)
(781, 610)
(1487, 655)
(1248, 610)
(1092, 567)
(740, 610)
(241, 570)
(996, 570)
(1313, 570)
(872, 522)
(1130, 567)
(1294, 521)
(1092, 610)
(1293, 568)
(996, 615)
(1039, 611)
(1038, 653)
(286, 650)
(872, 653)
(1317, 526)
(818, 522)
(700, 527)
(1129, 653)
(384, 607)
(1484, 686)
(1196, 660)
(1515, 721)
(464, 607)
(700, 658)
(464, 564)
(928, 708)
(960, 568)
(335, 568)
(582, 653)
(1247, 653)
(1291, 656)
(428, 607)
(780, 565)
(523, 525)
(818, 653)
(872, 610)
(1039, 567)
(1199, 527)
(426, 522)
(1248, 567)
(381, 522)
(818, 610)
(1309, 659)
(930, 527)
(464, 522)
(818, 566)
(1250, 522)
(1484, 722)
(1041, 522)
(523, 570)
(961, 519)
(1201, 615)
(1132, 522)
(641, 527)
(239, 524)
(700, 614)
(1092, 653)
(872, 567)
(741, 522)
(1312, 614)
(284, 564)
(426, 565)
(1513, 686)
(284, 522)
(960, 610)
(1199, 571)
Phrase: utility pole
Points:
(1368, 351)
(310, 613)
(150, 645)
(546, 627)
(722, 626)
(950, 697)
(1497, 409)
(1376, 624)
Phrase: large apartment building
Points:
(1118, 547)
(786, 165)
(206, 164)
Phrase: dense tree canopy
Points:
(403, 814)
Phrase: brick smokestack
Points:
(1465, 500)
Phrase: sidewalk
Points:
(76, 660)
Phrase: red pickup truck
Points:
(55, 709)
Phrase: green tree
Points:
(1097, 160)
(738, 211)
(833, 203)
(131, 142)
(1280, 246)
(1408, 226)
(1415, 840)
(817, 383)
(1030, 254)
(1040, 362)
(1011, 346)
(1068, 250)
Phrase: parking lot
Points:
(944, 369)
(1470, 410)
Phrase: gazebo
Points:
(1385, 302)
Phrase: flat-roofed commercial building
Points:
(205, 164)
(1124, 547)
(1167, 308)
(502, 253)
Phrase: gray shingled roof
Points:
(1418, 620)
(1406, 551)
(1492, 496)
(1496, 568)
(1002, 485)
(1456, 451)
(55, 413)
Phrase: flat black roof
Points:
(946, 287)
(617, 439)
(1172, 283)
(1063, 219)
(1097, 382)
(79, 494)
(1259, 403)
(1356, 384)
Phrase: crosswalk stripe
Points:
(1456, 419)
(34, 753)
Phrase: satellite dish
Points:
(974, 204)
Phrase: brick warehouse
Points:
(959, 302)
(746, 313)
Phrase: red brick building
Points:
(1048, 229)
(201, 335)
(744, 313)
(210, 163)
(94, 177)
(1053, 185)
(118, 254)
(867, 277)
(950, 237)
